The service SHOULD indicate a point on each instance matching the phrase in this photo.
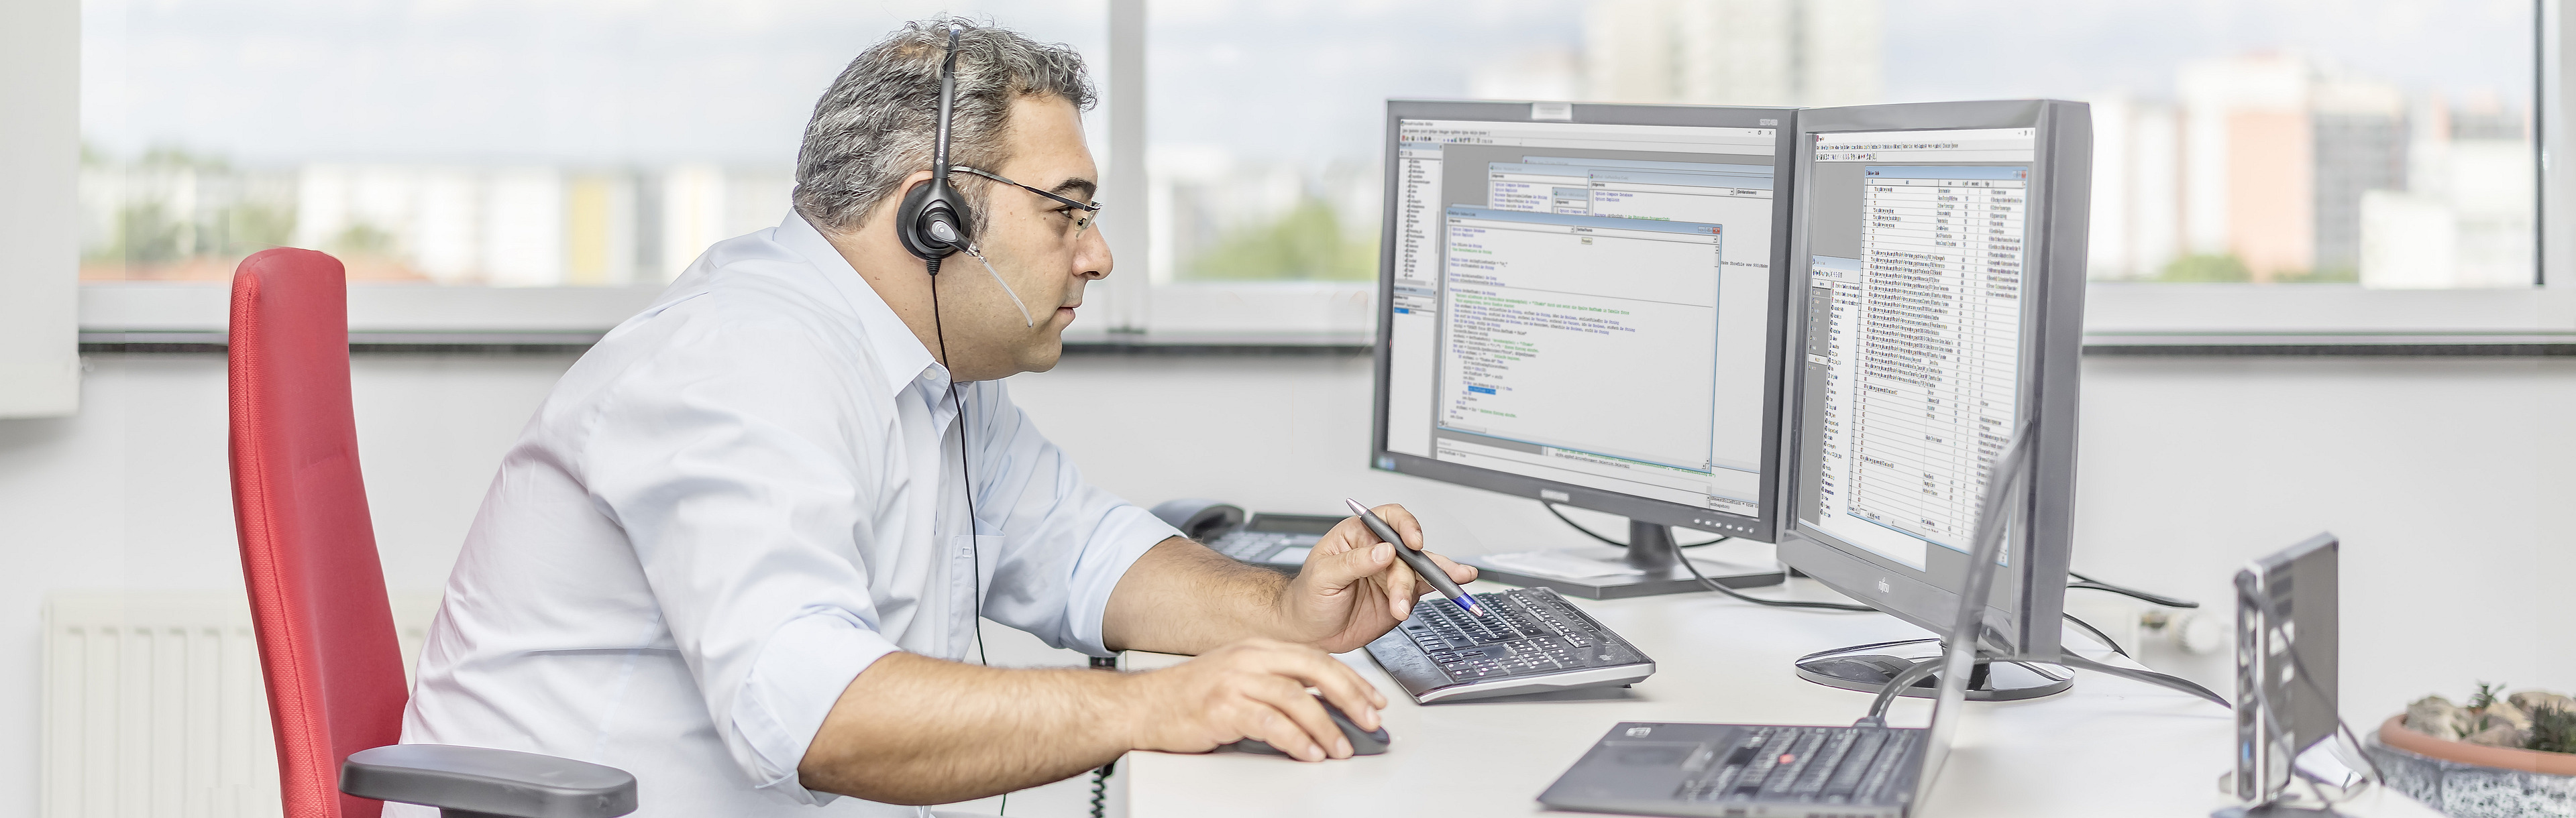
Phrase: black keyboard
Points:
(1736, 770)
(1532, 641)
(1817, 765)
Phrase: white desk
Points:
(2108, 747)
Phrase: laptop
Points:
(1797, 771)
(1767, 770)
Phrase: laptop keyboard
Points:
(1828, 765)
(1531, 632)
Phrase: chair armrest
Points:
(488, 781)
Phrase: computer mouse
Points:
(1363, 742)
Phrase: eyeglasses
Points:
(1082, 221)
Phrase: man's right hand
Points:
(1255, 688)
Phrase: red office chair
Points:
(317, 594)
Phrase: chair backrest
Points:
(317, 592)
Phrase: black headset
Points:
(932, 224)
(933, 220)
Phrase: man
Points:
(732, 554)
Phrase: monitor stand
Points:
(1867, 668)
(1650, 565)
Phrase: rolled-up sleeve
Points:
(1065, 542)
(736, 485)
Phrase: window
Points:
(491, 147)
(1268, 119)
(468, 144)
(2384, 142)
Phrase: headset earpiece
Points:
(933, 220)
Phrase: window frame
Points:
(1333, 314)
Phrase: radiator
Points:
(153, 705)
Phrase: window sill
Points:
(422, 309)
(1336, 318)
(1219, 343)
(2291, 344)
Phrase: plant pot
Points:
(2395, 734)
(2466, 780)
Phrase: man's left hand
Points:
(1353, 589)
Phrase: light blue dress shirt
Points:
(725, 511)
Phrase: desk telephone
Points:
(1278, 542)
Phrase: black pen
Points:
(1421, 564)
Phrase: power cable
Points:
(2097, 634)
(1712, 584)
(1551, 509)
(1775, 603)
(2085, 583)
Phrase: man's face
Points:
(1032, 242)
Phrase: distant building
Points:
(2249, 162)
(1734, 52)
(2137, 188)
(1548, 74)
(2465, 217)
(2299, 173)
(2361, 138)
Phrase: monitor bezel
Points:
(1762, 527)
(2024, 610)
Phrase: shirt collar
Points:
(897, 349)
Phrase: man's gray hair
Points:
(878, 122)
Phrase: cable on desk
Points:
(2086, 583)
(1776, 603)
(1887, 693)
(1705, 581)
(2097, 634)
(1100, 789)
(2071, 659)
(1100, 777)
(1551, 509)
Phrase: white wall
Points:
(2446, 479)
(39, 237)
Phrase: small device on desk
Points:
(1531, 641)
(1278, 542)
(2286, 636)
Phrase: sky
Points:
(609, 82)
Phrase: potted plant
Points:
(2497, 755)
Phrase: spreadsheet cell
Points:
(1929, 397)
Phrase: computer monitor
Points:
(1941, 310)
(1582, 304)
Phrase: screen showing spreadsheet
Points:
(1914, 342)
(1584, 303)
